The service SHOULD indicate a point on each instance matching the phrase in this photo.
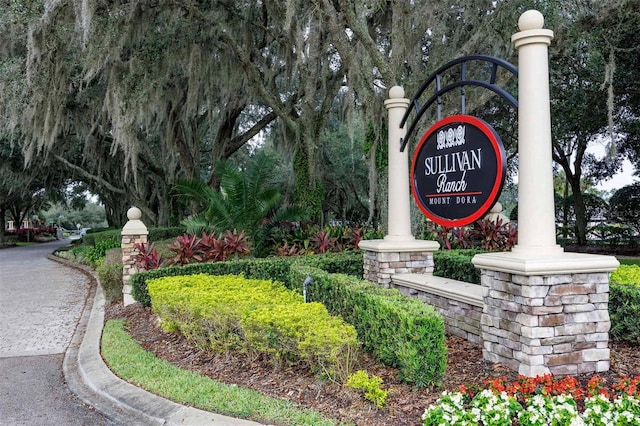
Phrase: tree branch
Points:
(89, 176)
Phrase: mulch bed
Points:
(405, 404)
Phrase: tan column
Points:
(399, 251)
(536, 214)
(399, 220)
(133, 232)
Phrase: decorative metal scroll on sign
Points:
(459, 165)
(436, 95)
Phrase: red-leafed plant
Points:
(187, 249)
(286, 250)
(236, 245)
(355, 235)
(323, 242)
(444, 236)
(213, 248)
(224, 247)
(487, 234)
(147, 257)
(461, 238)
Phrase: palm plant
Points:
(248, 200)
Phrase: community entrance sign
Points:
(459, 165)
(458, 170)
(535, 295)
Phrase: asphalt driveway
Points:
(41, 303)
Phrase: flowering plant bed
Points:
(539, 401)
(404, 405)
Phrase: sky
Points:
(623, 178)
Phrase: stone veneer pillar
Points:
(399, 251)
(134, 231)
(545, 311)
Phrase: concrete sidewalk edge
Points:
(91, 380)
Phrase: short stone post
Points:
(399, 251)
(545, 311)
(134, 231)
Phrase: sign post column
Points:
(399, 215)
(399, 252)
(536, 214)
(545, 311)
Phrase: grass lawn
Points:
(131, 362)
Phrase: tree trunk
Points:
(565, 209)
(580, 211)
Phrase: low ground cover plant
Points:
(370, 385)
(259, 317)
(539, 401)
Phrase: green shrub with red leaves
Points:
(485, 234)
(297, 240)
(191, 249)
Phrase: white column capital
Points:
(531, 31)
(396, 99)
(134, 225)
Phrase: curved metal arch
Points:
(490, 84)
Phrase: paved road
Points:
(41, 302)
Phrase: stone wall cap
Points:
(461, 291)
(400, 245)
(563, 263)
(134, 227)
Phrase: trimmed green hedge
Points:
(98, 237)
(274, 268)
(158, 234)
(232, 313)
(624, 306)
(155, 234)
(624, 303)
(110, 274)
(399, 330)
(456, 265)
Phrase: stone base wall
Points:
(460, 318)
(380, 266)
(129, 266)
(554, 324)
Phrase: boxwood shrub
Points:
(155, 234)
(274, 268)
(98, 237)
(624, 303)
(232, 313)
(456, 265)
(399, 330)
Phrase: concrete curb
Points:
(91, 380)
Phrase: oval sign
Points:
(458, 170)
